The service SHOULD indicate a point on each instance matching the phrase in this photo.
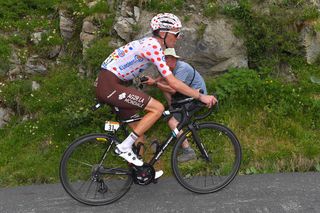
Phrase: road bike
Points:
(93, 174)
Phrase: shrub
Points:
(5, 53)
(165, 5)
(97, 53)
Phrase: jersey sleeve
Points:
(154, 53)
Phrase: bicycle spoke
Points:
(79, 189)
(217, 159)
(87, 164)
(104, 180)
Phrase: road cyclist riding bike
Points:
(126, 63)
(92, 173)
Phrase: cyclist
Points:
(129, 61)
(188, 75)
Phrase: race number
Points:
(111, 126)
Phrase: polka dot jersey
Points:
(130, 60)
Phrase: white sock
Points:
(126, 145)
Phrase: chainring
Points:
(143, 175)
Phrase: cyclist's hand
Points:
(209, 100)
(150, 81)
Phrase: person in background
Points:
(189, 76)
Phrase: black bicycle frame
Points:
(185, 119)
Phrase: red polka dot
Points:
(122, 75)
(159, 59)
(142, 55)
(114, 68)
(127, 73)
(156, 52)
(119, 73)
(154, 47)
(117, 56)
(148, 53)
(164, 72)
(152, 60)
(161, 65)
(125, 51)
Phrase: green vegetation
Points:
(5, 52)
(277, 123)
(270, 36)
(165, 5)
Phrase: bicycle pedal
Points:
(138, 148)
(155, 146)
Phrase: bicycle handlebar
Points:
(178, 104)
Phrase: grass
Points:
(274, 137)
(276, 122)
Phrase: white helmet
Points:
(165, 21)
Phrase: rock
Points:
(124, 8)
(5, 114)
(218, 49)
(35, 86)
(66, 25)
(124, 28)
(86, 39)
(285, 73)
(311, 43)
(55, 51)
(35, 65)
(92, 4)
(136, 11)
(89, 27)
(37, 36)
(15, 72)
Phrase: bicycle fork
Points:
(193, 128)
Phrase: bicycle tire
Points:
(80, 168)
(223, 164)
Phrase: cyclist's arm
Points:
(179, 86)
(160, 83)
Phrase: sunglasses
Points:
(176, 34)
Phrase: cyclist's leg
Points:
(111, 91)
(154, 111)
(140, 140)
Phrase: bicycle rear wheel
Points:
(213, 169)
(91, 173)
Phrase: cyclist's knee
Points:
(155, 106)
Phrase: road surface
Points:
(287, 192)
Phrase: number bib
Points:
(111, 126)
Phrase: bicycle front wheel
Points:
(91, 173)
(216, 161)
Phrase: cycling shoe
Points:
(129, 156)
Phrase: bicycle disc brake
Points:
(143, 175)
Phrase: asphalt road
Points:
(288, 192)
